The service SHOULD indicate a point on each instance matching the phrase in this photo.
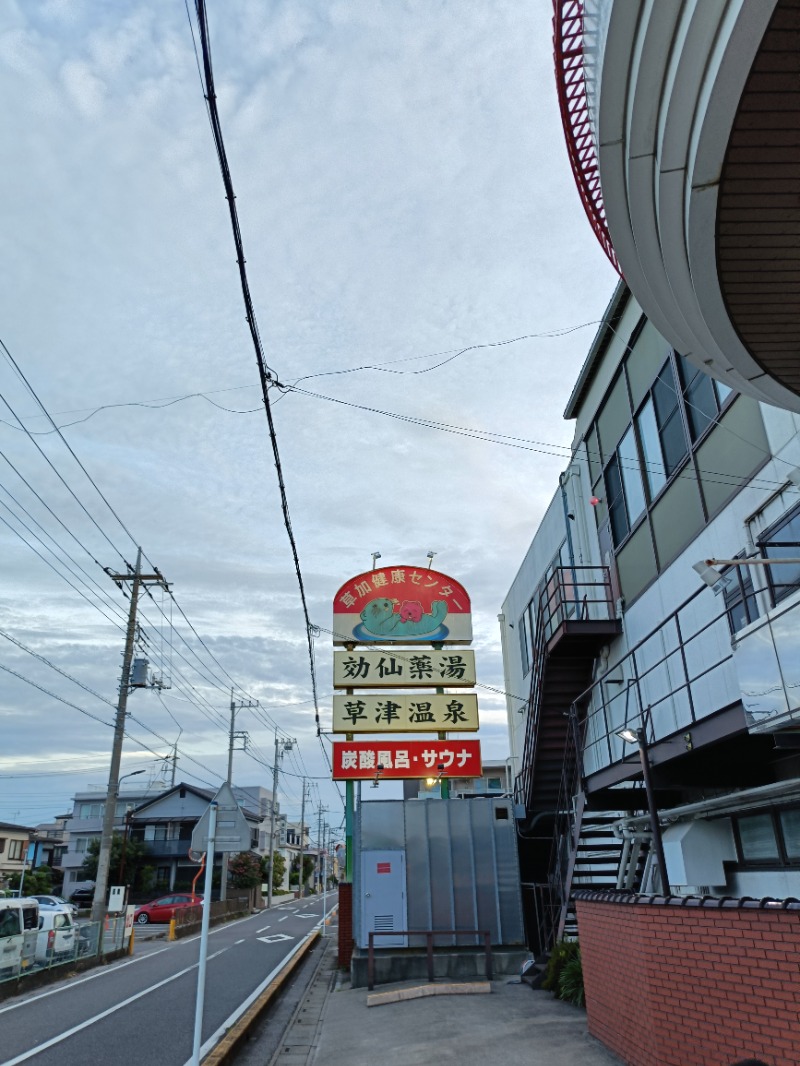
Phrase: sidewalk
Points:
(522, 1026)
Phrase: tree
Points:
(38, 882)
(309, 865)
(279, 869)
(136, 853)
(244, 869)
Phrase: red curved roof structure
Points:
(573, 104)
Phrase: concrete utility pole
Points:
(104, 858)
(287, 746)
(302, 838)
(320, 844)
(233, 736)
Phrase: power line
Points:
(265, 373)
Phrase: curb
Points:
(228, 1045)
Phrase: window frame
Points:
(782, 860)
(767, 539)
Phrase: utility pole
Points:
(302, 837)
(320, 844)
(138, 579)
(287, 746)
(233, 736)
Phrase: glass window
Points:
(757, 836)
(15, 849)
(615, 501)
(723, 392)
(674, 446)
(631, 475)
(790, 826)
(494, 782)
(651, 448)
(740, 598)
(700, 397)
(524, 642)
(783, 542)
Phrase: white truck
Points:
(19, 932)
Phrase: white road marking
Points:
(283, 919)
(104, 972)
(307, 916)
(273, 938)
(263, 928)
(240, 941)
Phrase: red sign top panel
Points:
(402, 604)
(364, 760)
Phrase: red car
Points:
(163, 909)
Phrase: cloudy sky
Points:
(404, 193)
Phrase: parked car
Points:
(82, 895)
(19, 919)
(57, 936)
(52, 902)
(163, 909)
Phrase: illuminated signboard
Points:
(407, 713)
(365, 668)
(364, 760)
(402, 605)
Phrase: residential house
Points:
(86, 825)
(165, 824)
(14, 847)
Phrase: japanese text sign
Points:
(402, 605)
(393, 713)
(365, 668)
(362, 760)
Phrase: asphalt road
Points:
(141, 1010)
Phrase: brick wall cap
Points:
(588, 895)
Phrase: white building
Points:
(608, 624)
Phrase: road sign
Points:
(233, 829)
(394, 712)
(362, 760)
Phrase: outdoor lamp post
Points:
(639, 736)
(133, 773)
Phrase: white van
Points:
(19, 922)
(58, 937)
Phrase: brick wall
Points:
(345, 924)
(691, 982)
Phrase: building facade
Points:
(679, 120)
(610, 624)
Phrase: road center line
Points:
(263, 929)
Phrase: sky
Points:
(404, 196)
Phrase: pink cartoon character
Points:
(411, 611)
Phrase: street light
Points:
(133, 773)
(639, 736)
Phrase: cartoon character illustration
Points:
(382, 620)
(411, 611)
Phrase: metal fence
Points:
(41, 949)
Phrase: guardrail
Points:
(36, 950)
(429, 934)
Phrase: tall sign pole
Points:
(287, 746)
(137, 578)
(201, 968)
(302, 838)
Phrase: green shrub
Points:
(564, 973)
(570, 983)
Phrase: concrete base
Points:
(400, 995)
(411, 964)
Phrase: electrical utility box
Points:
(383, 879)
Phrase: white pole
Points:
(324, 894)
(201, 969)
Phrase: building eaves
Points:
(603, 337)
